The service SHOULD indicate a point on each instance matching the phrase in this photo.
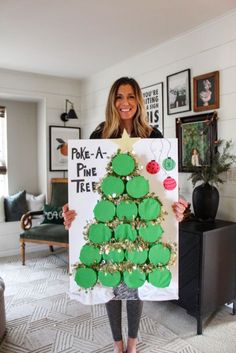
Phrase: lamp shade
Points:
(72, 114)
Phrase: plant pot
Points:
(205, 202)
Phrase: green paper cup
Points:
(85, 277)
(137, 187)
(136, 256)
(149, 209)
(125, 231)
(104, 211)
(160, 277)
(89, 255)
(134, 279)
(151, 232)
(123, 164)
(114, 256)
(112, 186)
(126, 210)
(159, 254)
(99, 233)
(109, 279)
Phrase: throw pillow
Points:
(15, 206)
(52, 214)
(2, 212)
(35, 203)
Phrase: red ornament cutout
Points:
(152, 167)
(169, 183)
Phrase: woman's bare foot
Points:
(118, 347)
(131, 345)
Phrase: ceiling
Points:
(77, 38)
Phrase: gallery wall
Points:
(207, 48)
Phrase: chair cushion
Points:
(15, 206)
(48, 232)
(52, 214)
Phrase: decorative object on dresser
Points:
(51, 231)
(207, 267)
(206, 196)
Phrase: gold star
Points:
(126, 143)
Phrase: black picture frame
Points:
(154, 104)
(178, 92)
(196, 140)
(58, 152)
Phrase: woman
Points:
(125, 110)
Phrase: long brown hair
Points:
(112, 126)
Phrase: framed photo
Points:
(58, 146)
(206, 92)
(196, 140)
(178, 92)
(153, 99)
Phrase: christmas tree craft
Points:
(124, 240)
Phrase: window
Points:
(3, 154)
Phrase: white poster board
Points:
(87, 164)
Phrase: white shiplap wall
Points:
(207, 48)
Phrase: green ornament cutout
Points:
(168, 164)
(136, 256)
(104, 211)
(114, 256)
(134, 279)
(149, 209)
(109, 279)
(99, 233)
(112, 186)
(137, 187)
(159, 254)
(89, 255)
(160, 277)
(85, 277)
(125, 231)
(151, 232)
(123, 164)
(126, 210)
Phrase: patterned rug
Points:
(42, 319)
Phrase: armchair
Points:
(48, 233)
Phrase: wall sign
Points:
(153, 99)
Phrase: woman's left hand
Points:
(179, 208)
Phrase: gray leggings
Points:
(134, 311)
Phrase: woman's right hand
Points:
(68, 215)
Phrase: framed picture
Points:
(153, 99)
(58, 145)
(206, 92)
(196, 140)
(178, 92)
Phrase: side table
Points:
(207, 267)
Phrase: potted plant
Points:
(206, 196)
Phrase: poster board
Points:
(87, 163)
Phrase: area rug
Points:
(42, 319)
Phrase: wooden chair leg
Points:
(22, 248)
(51, 248)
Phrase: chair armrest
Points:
(26, 219)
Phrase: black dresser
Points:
(207, 267)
